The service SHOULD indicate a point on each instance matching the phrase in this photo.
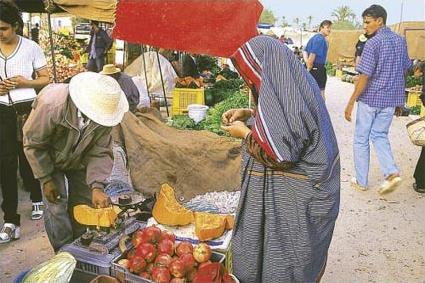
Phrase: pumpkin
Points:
(210, 226)
(99, 217)
(168, 211)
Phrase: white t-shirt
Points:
(23, 61)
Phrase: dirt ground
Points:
(376, 239)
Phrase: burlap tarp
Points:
(98, 10)
(342, 42)
(190, 161)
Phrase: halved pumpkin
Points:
(168, 211)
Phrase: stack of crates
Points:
(413, 98)
(182, 97)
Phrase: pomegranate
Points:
(137, 238)
(147, 251)
(166, 247)
(177, 268)
(163, 260)
(184, 248)
(137, 264)
(131, 253)
(202, 252)
(191, 274)
(124, 262)
(152, 234)
(145, 275)
(204, 263)
(167, 235)
(188, 261)
(149, 268)
(161, 275)
(228, 279)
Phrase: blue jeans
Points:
(373, 123)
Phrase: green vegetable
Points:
(212, 122)
(330, 69)
(415, 110)
(412, 81)
(222, 90)
(58, 269)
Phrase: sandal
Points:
(9, 232)
(37, 212)
(417, 189)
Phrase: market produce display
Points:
(167, 211)
(212, 121)
(67, 55)
(156, 256)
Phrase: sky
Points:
(413, 10)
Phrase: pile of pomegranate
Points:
(156, 256)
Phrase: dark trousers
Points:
(9, 164)
(30, 183)
(95, 64)
(420, 170)
(9, 189)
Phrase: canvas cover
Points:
(192, 162)
(98, 10)
(213, 27)
(342, 42)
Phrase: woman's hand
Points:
(18, 82)
(237, 129)
(233, 115)
(3, 89)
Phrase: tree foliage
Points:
(344, 14)
(267, 17)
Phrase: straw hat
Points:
(99, 97)
(110, 69)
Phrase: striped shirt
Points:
(23, 61)
(384, 60)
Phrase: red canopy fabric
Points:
(213, 27)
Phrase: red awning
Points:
(213, 27)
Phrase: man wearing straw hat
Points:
(67, 135)
(126, 84)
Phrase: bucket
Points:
(197, 112)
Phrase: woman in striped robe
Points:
(290, 169)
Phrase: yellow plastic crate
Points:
(422, 111)
(182, 97)
(413, 99)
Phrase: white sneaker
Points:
(37, 210)
(356, 185)
(389, 185)
(9, 232)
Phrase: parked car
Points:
(82, 31)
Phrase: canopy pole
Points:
(162, 83)
(146, 76)
(52, 49)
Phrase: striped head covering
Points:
(291, 114)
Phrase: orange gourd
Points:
(168, 211)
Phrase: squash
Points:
(210, 226)
(168, 211)
(99, 217)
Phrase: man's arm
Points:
(310, 61)
(360, 87)
(37, 132)
(99, 160)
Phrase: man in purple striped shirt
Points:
(379, 91)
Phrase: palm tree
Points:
(297, 21)
(309, 19)
(343, 14)
(284, 22)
